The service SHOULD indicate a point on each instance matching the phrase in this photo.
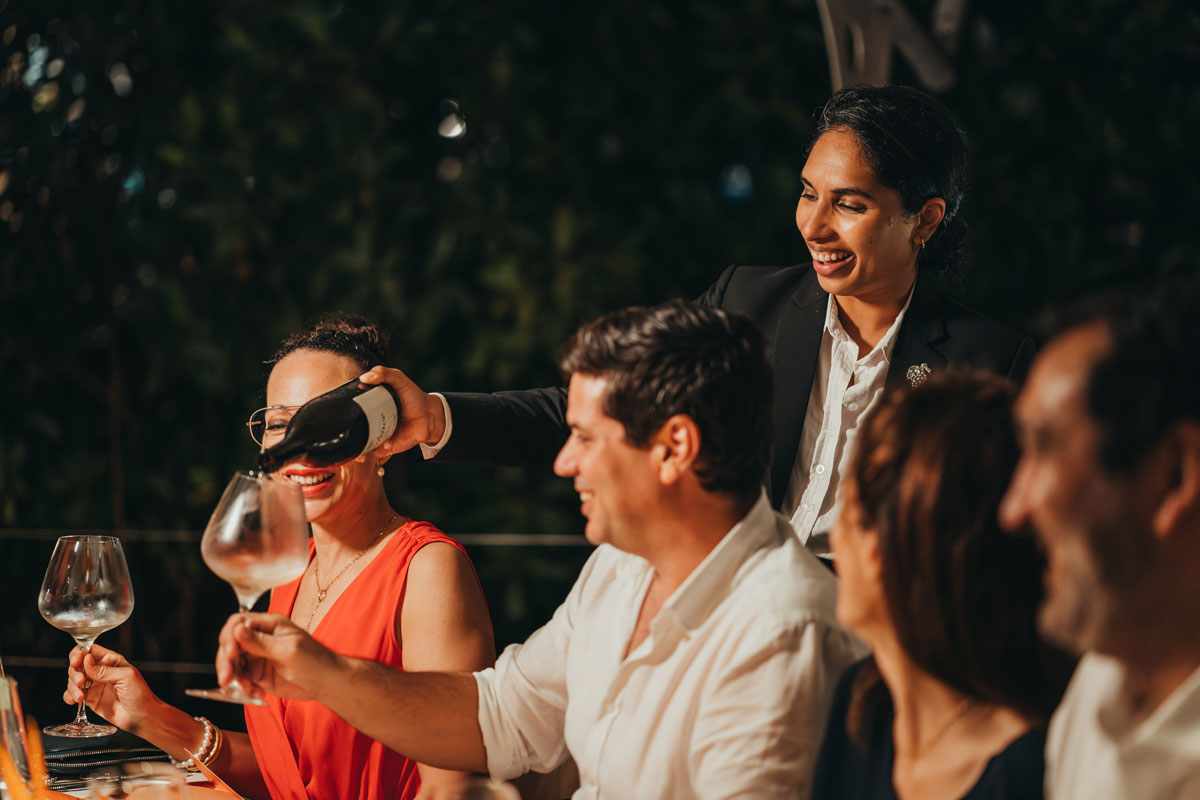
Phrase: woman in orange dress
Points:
(378, 585)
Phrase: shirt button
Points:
(852, 406)
(820, 469)
(806, 506)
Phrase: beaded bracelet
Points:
(211, 733)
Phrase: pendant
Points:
(321, 596)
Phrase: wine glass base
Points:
(229, 695)
(79, 730)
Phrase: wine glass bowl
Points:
(85, 592)
(256, 539)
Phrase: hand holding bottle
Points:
(422, 416)
(333, 427)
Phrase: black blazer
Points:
(527, 428)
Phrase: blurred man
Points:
(1109, 480)
(697, 652)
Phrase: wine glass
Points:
(256, 539)
(86, 591)
(145, 780)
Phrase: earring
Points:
(379, 471)
(920, 243)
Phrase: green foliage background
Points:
(195, 180)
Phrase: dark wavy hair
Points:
(914, 145)
(1150, 377)
(685, 358)
(929, 469)
(349, 335)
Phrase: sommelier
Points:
(880, 213)
(379, 585)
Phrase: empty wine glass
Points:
(86, 591)
(256, 539)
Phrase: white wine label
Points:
(380, 408)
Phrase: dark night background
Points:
(182, 184)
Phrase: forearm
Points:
(175, 731)
(237, 765)
(170, 729)
(431, 717)
(511, 429)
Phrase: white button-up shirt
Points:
(726, 697)
(1099, 748)
(844, 388)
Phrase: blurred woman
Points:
(954, 700)
(379, 585)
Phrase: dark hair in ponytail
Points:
(349, 335)
(915, 146)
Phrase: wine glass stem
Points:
(81, 712)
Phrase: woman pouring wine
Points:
(378, 585)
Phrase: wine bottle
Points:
(337, 426)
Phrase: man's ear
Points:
(676, 445)
(1180, 505)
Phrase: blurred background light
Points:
(134, 182)
(452, 126)
(735, 183)
(449, 169)
(122, 81)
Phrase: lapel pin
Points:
(918, 374)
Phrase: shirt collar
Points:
(1171, 726)
(883, 348)
(712, 580)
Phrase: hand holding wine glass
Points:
(256, 539)
(86, 591)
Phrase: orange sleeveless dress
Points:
(303, 749)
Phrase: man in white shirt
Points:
(1109, 479)
(697, 652)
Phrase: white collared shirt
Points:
(726, 697)
(1099, 749)
(844, 388)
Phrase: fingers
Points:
(228, 650)
(106, 657)
(259, 634)
(248, 635)
(111, 668)
(252, 676)
(75, 657)
(375, 375)
(422, 416)
(75, 677)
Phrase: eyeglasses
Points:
(268, 425)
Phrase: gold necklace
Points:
(322, 592)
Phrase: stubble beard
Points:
(1097, 600)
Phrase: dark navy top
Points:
(844, 772)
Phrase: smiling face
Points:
(859, 235)
(616, 481)
(1093, 525)
(333, 492)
